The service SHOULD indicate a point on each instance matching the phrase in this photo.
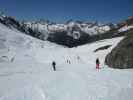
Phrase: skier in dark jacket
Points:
(54, 64)
(97, 63)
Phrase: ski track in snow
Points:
(26, 72)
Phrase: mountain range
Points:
(70, 34)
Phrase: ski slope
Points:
(26, 72)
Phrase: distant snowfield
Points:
(26, 71)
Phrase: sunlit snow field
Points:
(26, 72)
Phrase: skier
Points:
(53, 64)
(97, 63)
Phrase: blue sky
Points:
(63, 10)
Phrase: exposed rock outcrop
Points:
(122, 55)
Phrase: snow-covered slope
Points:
(13, 42)
(26, 72)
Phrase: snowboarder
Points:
(97, 63)
(54, 64)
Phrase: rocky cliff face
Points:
(122, 55)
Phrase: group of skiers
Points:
(97, 64)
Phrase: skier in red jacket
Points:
(97, 63)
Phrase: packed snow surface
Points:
(26, 72)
